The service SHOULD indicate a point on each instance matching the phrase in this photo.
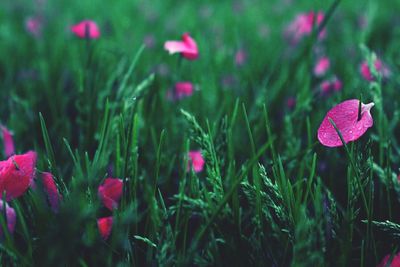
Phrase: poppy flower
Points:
(51, 190)
(187, 47)
(86, 29)
(10, 216)
(16, 174)
(8, 142)
(346, 117)
(394, 263)
(196, 161)
(380, 68)
(303, 25)
(105, 226)
(110, 192)
(321, 67)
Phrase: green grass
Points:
(270, 194)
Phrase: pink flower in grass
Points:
(345, 116)
(33, 25)
(327, 86)
(196, 161)
(291, 102)
(240, 57)
(181, 90)
(110, 192)
(8, 142)
(380, 68)
(86, 29)
(322, 66)
(51, 190)
(16, 174)
(395, 262)
(187, 47)
(11, 217)
(105, 226)
(303, 26)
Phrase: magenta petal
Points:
(105, 226)
(176, 47)
(110, 192)
(10, 216)
(51, 190)
(345, 116)
(87, 25)
(196, 161)
(187, 47)
(8, 142)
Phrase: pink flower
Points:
(291, 102)
(181, 90)
(10, 216)
(8, 142)
(105, 226)
(379, 67)
(196, 161)
(394, 263)
(337, 84)
(322, 66)
(240, 57)
(345, 116)
(16, 174)
(303, 25)
(51, 190)
(34, 26)
(86, 29)
(325, 87)
(187, 47)
(110, 192)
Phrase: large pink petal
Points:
(110, 192)
(345, 116)
(395, 261)
(16, 174)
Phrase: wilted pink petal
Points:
(34, 26)
(345, 116)
(394, 263)
(196, 161)
(303, 25)
(51, 190)
(16, 174)
(240, 57)
(10, 216)
(381, 68)
(8, 142)
(187, 47)
(86, 29)
(110, 192)
(321, 67)
(105, 226)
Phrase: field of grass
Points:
(269, 193)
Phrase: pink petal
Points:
(8, 142)
(110, 192)
(183, 89)
(322, 66)
(51, 190)
(87, 25)
(240, 57)
(34, 26)
(345, 116)
(10, 216)
(105, 226)
(196, 161)
(395, 261)
(16, 174)
(187, 47)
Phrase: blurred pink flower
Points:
(86, 29)
(303, 25)
(381, 68)
(291, 102)
(187, 47)
(394, 263)
(196, 161)
(105, 226)
(51, 190)
(8, 142)
(181, 90)
(337, 84)
(327, 86)
(33, 25)
(345, 116)
(10, 216)
(110, 192)
(240, 57)
(322, 66)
